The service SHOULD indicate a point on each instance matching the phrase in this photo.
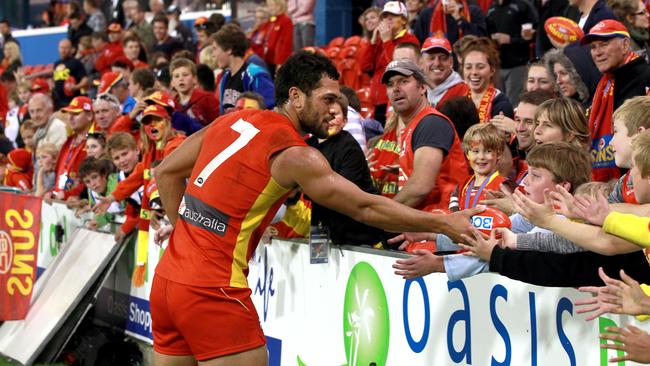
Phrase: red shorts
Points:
(206, 322)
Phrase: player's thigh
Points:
(255, 357)
(165, 360)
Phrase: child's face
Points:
(182, 80)
(45, 162)
(96, 182)
(94, 148)
(641, 185)
(547, 131)
(125, 159)
(483, 161)
(536, 181)
(622, 145)
(24, 94)
(28, 138)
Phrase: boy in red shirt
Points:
(19, 170)
(196, 102)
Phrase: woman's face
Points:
(538, 78)
(477, 71)
(94, 148)
(371, 21)
(640, 19)
(564, 82)
(547, 131)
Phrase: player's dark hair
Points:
(303, 70)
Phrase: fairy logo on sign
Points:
(366, 325)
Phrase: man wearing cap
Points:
(438, 65)
(625, 75)
(431, 159)
(115, 84)
(392, 30)
(80, 116)
(69, 76)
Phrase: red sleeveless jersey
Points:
(453, 171)
(471, 194)
(230, 199)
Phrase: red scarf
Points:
(485, 107)
(438, 25)
(600, 124)
(386, 152)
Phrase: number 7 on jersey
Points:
(246, 133)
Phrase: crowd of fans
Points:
(535, 109)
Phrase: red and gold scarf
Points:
(438, 25)
(485, 106)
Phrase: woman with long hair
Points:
(480, 64)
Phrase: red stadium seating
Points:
(336, 42)
(367, 108)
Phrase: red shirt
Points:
(279, 40)
(453, 171)
(67, 166)
(110, 52)
(471, 193)
(202, 105)
(458, 90)
(377, 57)
(221, 222)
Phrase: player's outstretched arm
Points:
(306, 167)
(174, 170)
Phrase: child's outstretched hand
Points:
(537, 214)
(480, 245)
(564, 203)
(593, 210)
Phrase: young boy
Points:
(197, 103)
(100, 182)
(123, 151)
(550, 165)
(27, 131)
(483, 144)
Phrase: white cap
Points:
(396, 8)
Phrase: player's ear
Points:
(296, 97)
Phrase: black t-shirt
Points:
(169, 47)
(347, 159)
(63, 70)
(233, 88)
(433, 131)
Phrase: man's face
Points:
(125, 159)
(160, 31)
(437, 66)
(609, 54)
(105, 114)
(315, 112)
(405, 93)
(182, 80)
(79, 122)
(65, 47)
(220, 55)
(137, 15)
(4, 28)
(525, 125)
(114, 36)
(96, 182)
(132, 50)
(39, 111)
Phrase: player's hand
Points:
(103, 204)
(479, 244)
(421, 263)
(593, 210)
(634, 342)
(91, 224)
(501, 38)
(459, 223)
(537, 214)
(162, 234)
(404, 239)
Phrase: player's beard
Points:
(311, 121)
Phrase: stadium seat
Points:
(367, 108)
(352, 41)
(336, 42)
